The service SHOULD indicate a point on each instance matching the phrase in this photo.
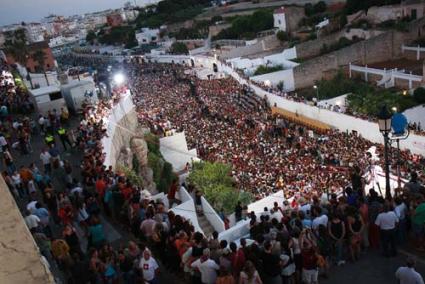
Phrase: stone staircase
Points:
(205, 225)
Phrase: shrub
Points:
(179, 48)
(282, 36)
(262, 69)
(216, 184)
(419, 95)
(131, 175)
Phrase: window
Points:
(279, 22)
(55, 96)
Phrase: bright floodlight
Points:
(119, 78)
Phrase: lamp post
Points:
(384, 122)
(317, 93)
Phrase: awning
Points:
(301, 119)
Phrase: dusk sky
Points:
(16, 11)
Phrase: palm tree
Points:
(40, 57)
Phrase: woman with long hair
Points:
(249, 275)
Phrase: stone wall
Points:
(312, 48)
(263, 44)
(125, 129)
(383, 47)
(20, 259)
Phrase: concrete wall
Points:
(212, 216)
(20, 259)
(285, 76)
(266, 43)
(121, 125)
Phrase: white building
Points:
(145, 3)
(146, 36)
(35, 32)
(279, 19)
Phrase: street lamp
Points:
(317, 93)
(119, 78)
(384, 122)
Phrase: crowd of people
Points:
(294, 241)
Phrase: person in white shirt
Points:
(387, 222)
(207, 267)
(407, 274)
(3, 142)
(45, 158)
(149, 267)
(31, 220)
(319, 219)
(400, 211)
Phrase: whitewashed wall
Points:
(212, 216)
(285, 76)
(118, 112)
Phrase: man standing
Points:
(45, 159)
(149, 267)
(387, 222)
(407, 274)
(63, 136)
(207, 267)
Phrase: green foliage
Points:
(282, 36)
(16, 44)
(179, 48)
(216, 184)
(311, 9)
(136, 165)
(216, 19)
(364, 98)
(353, 6)
(190, 33)
(118, 35)
(132, 176)
(400, 24)
(40, 57)
(370, 103)
(170, 11)
(262, 69)
(153, 143)
(91, 36)
(163, 174)
(419, 95)
(247, 27)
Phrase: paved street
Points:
(371, 268)
(115, 234)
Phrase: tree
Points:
(419, 95)
(178, 48)
(282, 36)
(39, 56)
(16, 45)
(91, 36)
(216, 184)
(216, 19)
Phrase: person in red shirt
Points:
(101, 187)
(127, 191)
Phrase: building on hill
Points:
(279, 18)
(147, 36)
(414, 9)
(31, 64)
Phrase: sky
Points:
(16, 11)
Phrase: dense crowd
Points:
(291, 242)
(267, 153)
